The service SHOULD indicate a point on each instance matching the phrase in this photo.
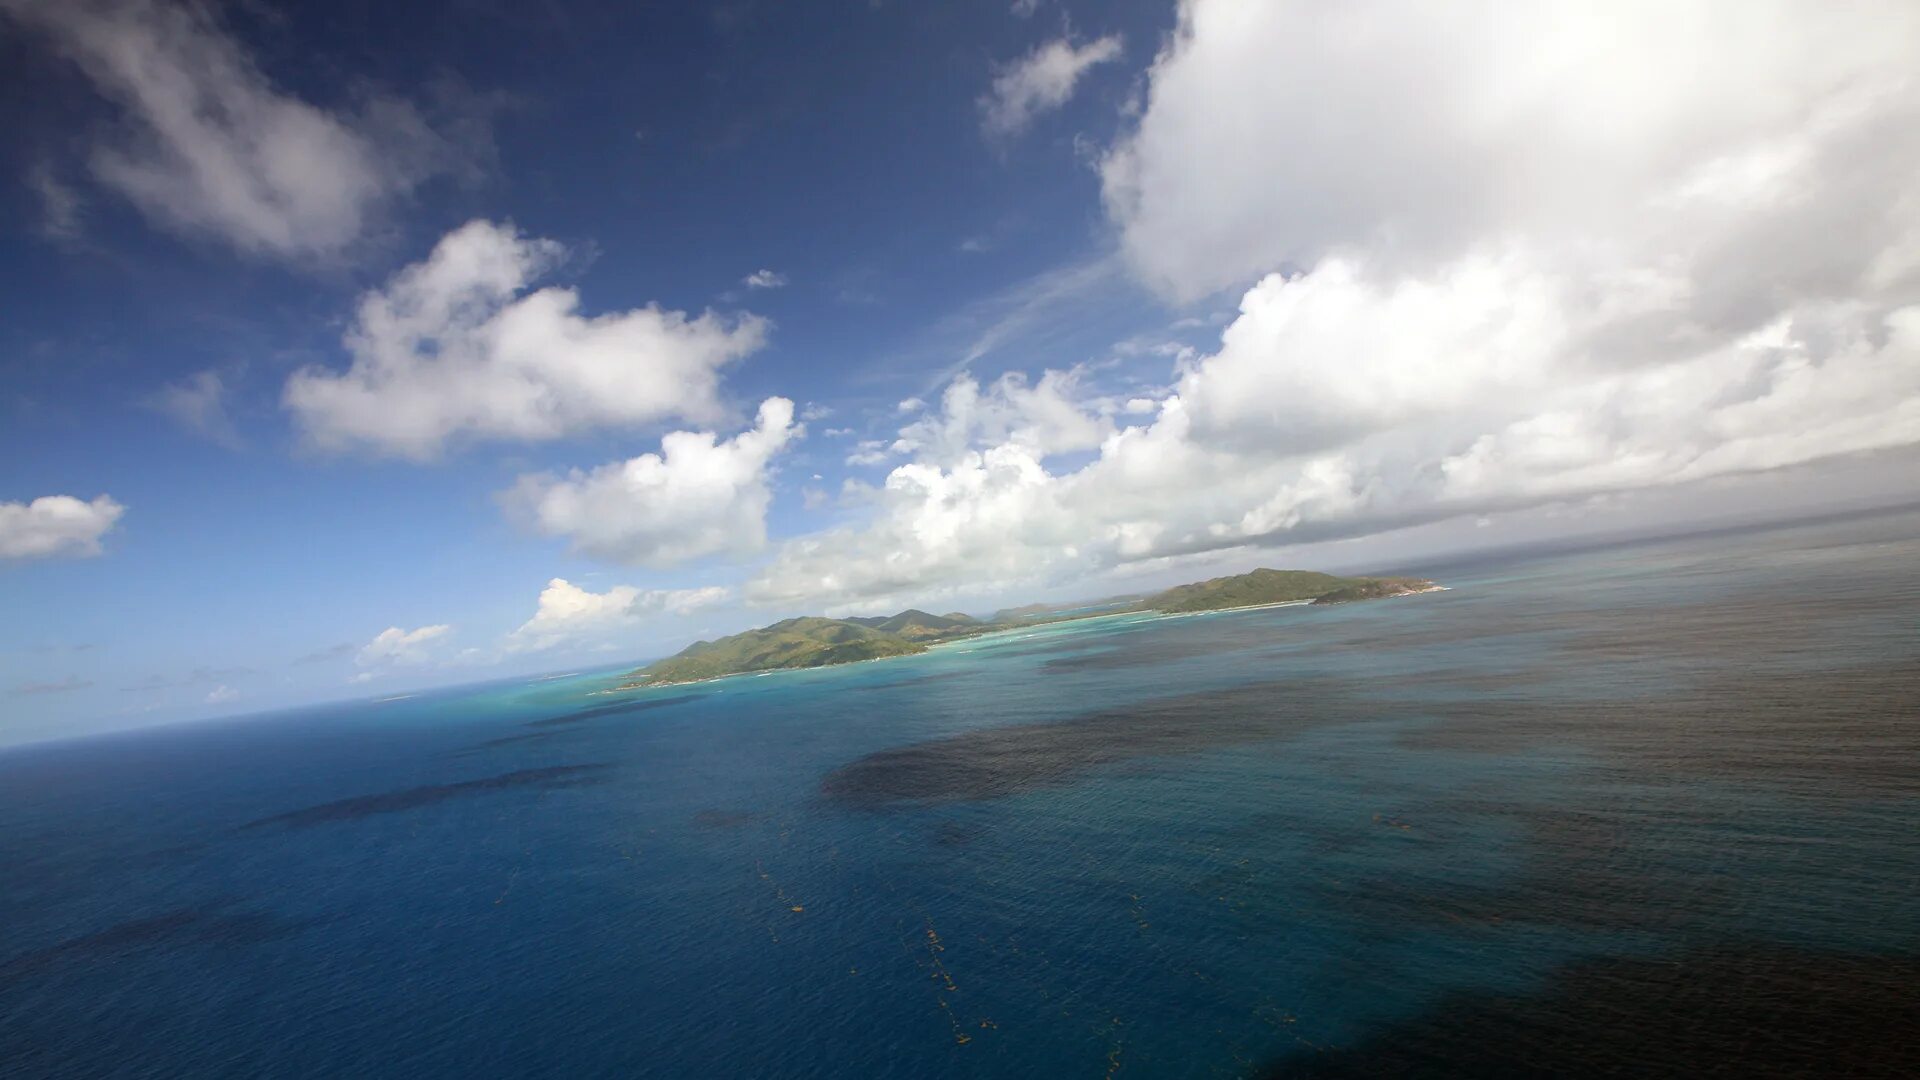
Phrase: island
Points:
(817, 641)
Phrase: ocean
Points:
(1651, 809)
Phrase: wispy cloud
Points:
(60, 686)
(199, 676)
(1039, 82)
(198, 404)
(60, 204)
(212, 147)
(331, 652)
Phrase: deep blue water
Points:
(1652, 808)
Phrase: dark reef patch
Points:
(1140, 649)
(1773, 723)
(616, 709)
(1722, 1011)
(727, 819)
(209, 925)
(938, 676)
(392, 802)
(1160, 642)
(506, 740)
(956, 834)
(993, 763)
(1586, 869)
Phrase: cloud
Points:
(60, 686)
(1442, 404)
(568, 613)
(457, 346)
(199, 676)
(1023, 9)
(220, 694)
(1282, 133)
(394, 646)
(698, 496)
(764, 279)
(60, 204)
(1043, 417)
(1478, 274)
(199, 404)
(331, 652)
(1039, 82)
(55, 525)
(869, 452)
(210, 146)
(1034, 313)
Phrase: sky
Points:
(349, 349)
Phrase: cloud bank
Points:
(1489, 259)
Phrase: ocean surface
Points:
(1651, 809)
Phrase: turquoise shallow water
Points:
(1649, 808)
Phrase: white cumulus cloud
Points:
(53, 525)
(764, 279)
(1285, 131)
(700, 495)
(1039, 82)
(461, 345)
(1042, 417)
(568, 612)
(394, 646)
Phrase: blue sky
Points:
(338, 337)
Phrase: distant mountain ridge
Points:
(1259, 587)
(817, 641)
(914, 623)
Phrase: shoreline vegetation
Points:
(813, 641)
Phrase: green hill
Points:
(1375, 589)
(795, 643)
(1276, 587)
(919, 625)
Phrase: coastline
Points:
(1149, 616)
(631, 687)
